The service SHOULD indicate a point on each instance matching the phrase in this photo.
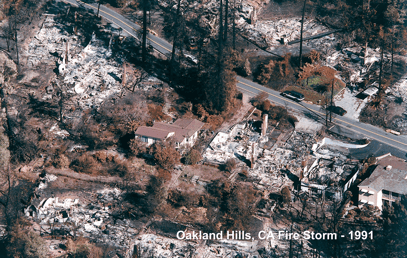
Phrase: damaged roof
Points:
(390, 175)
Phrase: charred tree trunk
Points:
(174, 43)
(392, 52)
(97, 14)
(302, 30)
(381, 71)
(225, 29)
(332, 100)
(8, 118)
(61, 107)
(200, 46)
(234, 25)
(144, 40)
(220, 49)
(16, 40)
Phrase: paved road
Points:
(369, 131)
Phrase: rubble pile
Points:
(330, 163)
(90, 73)
(90, 219)
(321, 162)
(151, 245)
(6, 61)
(352, 60)
(49, 44)
(269, 163)
(289, 29)
(209, 11)
(93, 75)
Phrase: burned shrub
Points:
(164, 154)
(192, 157)
(23, 149)
(156, 112)
(178, 199)
(214, 121)
(137, 147)
(119, 169)
(286, 194)
(312, 57)
(259, 98)
(274, 69)
(230, 206)
(84, 164)
(229, 165)
(60, 161)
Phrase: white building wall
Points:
(367, 195)
(380, 200)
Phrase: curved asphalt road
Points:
(161, 45)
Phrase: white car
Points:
(191, 58)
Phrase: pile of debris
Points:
(90, 219)
(49, 44)
(277, 32)
(209, 11)
(270, 163)
(151, 245)
(90, 73)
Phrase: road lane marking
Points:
(284, 99)
(125, 24)
(348, 124)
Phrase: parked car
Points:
(337, 110)
(293, 95)
(191, 58)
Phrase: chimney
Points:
(67, 51)
(124, 75)
(264, 125)
(389, 167)
(252, 157)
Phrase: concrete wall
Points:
(369, 197)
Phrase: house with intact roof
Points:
(183, 131)
(386, 184)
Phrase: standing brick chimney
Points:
(264, 125)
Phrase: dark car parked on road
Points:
(337, 110)
(293, 95)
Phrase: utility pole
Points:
(97, 14)
(174, 43)
(302, 30)
(144, 40)
(381, 69)
(220, 50)
(225, 37)
(234, 25)
(332, 100)
(15, 34)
